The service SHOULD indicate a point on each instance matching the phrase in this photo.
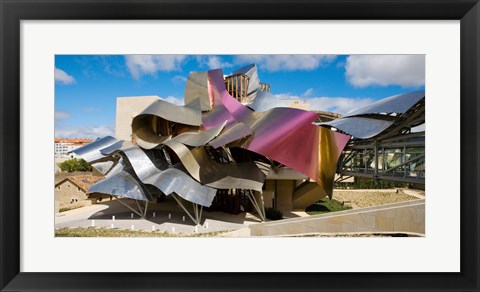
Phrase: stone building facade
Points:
(73, 189)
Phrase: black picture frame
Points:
(12, 12)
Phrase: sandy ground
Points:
(370, 198)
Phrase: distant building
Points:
(297, 103)
(63, 146)
(73, 189)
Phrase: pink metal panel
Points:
(282, 134)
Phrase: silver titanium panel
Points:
(109, 150)
(394, 104)
(196, 139)
(217, 116)
(143, 133)
(197, 87)
(103, 167)
(121, 184)
(118, 167)
(140, 162)
(151, 168)
(358, 127)
(91, 152)
(187, 115)
(174, 180)
(142, 125)
(231, 133)
(218, 175)
(264, 100)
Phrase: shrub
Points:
(273, 214)
(325, 206)
(75, 164)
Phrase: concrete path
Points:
(168, 217)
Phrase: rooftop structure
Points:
(73, 141)
(83, 182)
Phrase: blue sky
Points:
(86, 86)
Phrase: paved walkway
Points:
(165, 216)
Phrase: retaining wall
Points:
(400, 217)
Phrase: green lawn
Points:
(325, 205)
(106, 232)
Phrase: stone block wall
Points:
(400, 217)
(67, 191)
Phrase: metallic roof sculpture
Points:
(377, 117)
(388, 140)
(187, 151)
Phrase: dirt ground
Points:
(370, 198)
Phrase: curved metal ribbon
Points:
(217, 175)
(154, 170)
(399, 104)
(120, 184)
(283, 134)
(91, 152)
(142, 124)
(174, 180)
(143, 133)
(187, 115)
(230, 134)
(201, 138)
(359, 127)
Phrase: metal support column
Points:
(375, 151)
(260, 209)
(145, 209)
(196, 211)
(139, 213)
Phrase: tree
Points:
(75, 164)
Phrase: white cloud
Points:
(61, 115)
(139, 65)
(213, 62)
(268, 101)
(179, 79)
(384, 70)
(174, 100)
(88, 132)
(286, 62)
(308, 92)
(63, 77)
(340, 105)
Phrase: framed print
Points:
(58, 59)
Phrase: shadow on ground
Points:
(159, 213)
